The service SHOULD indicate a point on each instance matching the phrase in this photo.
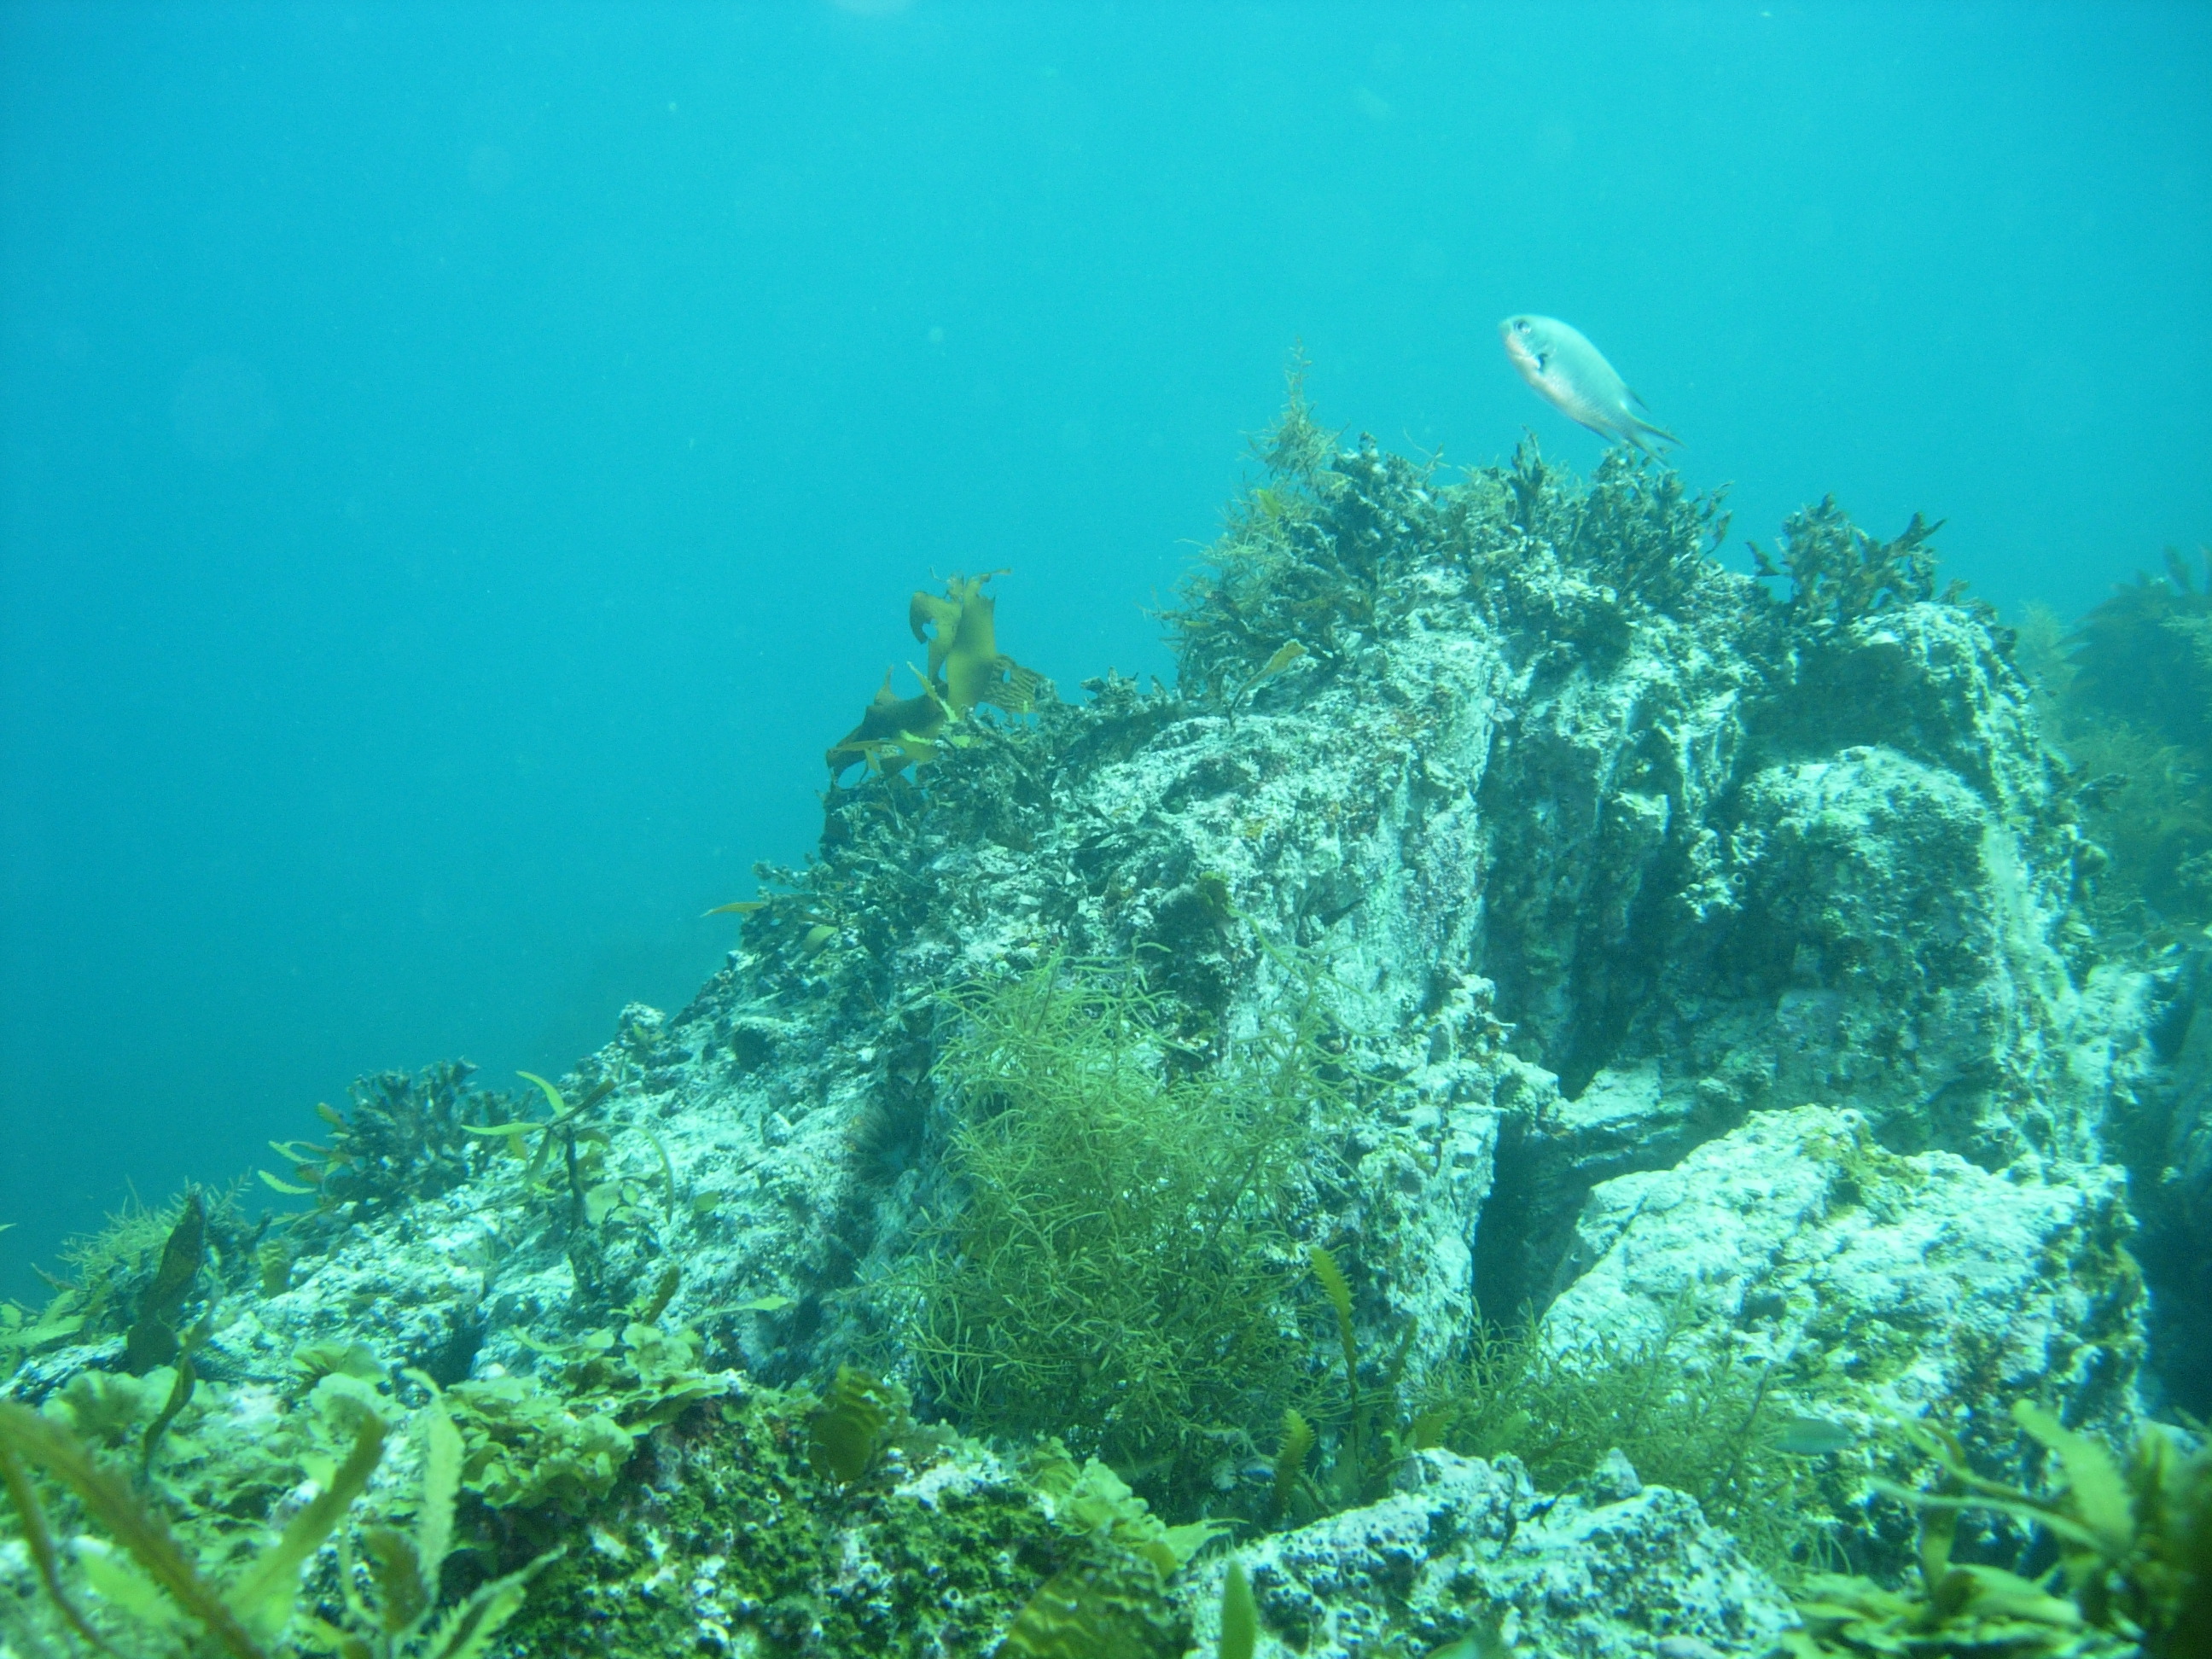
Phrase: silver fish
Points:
(1572, 376)
(1814, 1437)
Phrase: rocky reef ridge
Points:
(1621, 995)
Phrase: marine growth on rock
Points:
(1548, 1096)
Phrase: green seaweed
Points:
(1289, 1465)
(1710, 1429)
(150, 1341)
(2124, 695)
(1113, 1266)
(805, 1566)
(562, 1439)
(156, 1583)
(2133, 1547)
(857, 1420)
(1316, 556)
(130, 1277)
(1106, 1606)
(566, 1129)
(1092, 1502)
(965, 671)
(1631, 526)
(1240, 1615)
(184, 1555)
(1374, 1439)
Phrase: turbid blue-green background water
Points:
(460, 466)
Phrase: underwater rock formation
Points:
(1616, 1568)
(1907, 1279)
(1862, 1284)
(1556, 923)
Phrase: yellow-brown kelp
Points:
(894, 732)
(965, 669)
(964, 651)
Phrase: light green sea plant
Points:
(2134, 1542)
(134, 1586)
(1115, 1265)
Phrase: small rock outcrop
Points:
(1628, 1569)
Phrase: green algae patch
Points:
(2124, 695)
(2132, 1536)
(1715, 1431)
(730, 1542)
(561, 1441)
(189, 1556)
(1106, 1607)
(966, 669)
(1116, 1268)
(1837, 572)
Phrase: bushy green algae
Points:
(197, 1543)
(1838, 573)
(709, 1529)
(1319, 552)
(564, 1440)
(1089, 1205)
(1115, 1266)
(114, 1283)
(1719, 1432)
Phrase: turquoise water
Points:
(458, 469)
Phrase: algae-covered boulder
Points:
(1860, 1285)
(1887, 1281)
(1584, 847)
(1467, 1546)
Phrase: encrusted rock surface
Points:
(1629, 1569)
(1864, 1284)
(1593, 874)
(2163, 1133)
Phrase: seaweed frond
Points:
(1290, 1466)
(965, 671)
(402, 1136)
(242, 1617)
(856, 1420)
(1837, 572)
(2133, 1539)
(151, 1341)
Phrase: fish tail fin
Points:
(1638, 426)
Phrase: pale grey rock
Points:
(1614, 1480)
(1870, 1282)
(1465, 1541)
